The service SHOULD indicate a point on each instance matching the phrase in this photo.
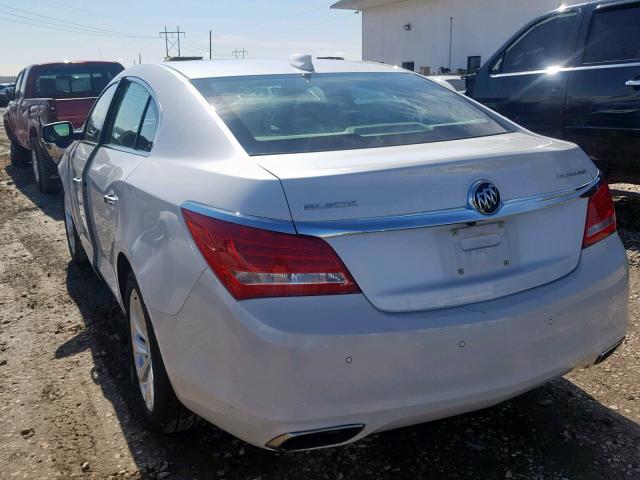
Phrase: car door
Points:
(22, 110)
(80, 156)
(127, 143)
(603, 96)
(525, 82)
(12, 107)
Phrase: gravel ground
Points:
(66, 408)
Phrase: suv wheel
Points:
(45, 171)
(154, 392)
(19, 156)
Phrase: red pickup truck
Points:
(47, 93)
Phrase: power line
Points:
(304, 27)
(63, 27)
(102, 14)
(279, 19)
(74, 25)
(60, 29)
(200, 48)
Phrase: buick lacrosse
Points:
(308, 252)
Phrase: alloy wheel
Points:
(141, 350)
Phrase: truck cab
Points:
(47, 93)
(574, 74)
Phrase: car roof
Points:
(48, 64)
(237, 68)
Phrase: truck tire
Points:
(45, 172)
(153, 391)
(19, 155)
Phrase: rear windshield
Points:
(271, 114)
(72, 80)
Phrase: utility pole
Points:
(450, 40)
(242, 52)
(210, 50)
(139, 58)
(172, 40)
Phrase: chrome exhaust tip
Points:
(310, 439)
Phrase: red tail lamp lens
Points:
(601, 216)
(253, 262)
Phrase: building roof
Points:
(238, 68)
(360, 4)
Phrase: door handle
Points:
(110, 199)
(632, 83)
(77, 181)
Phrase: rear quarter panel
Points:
(193, 158)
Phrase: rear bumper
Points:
(266, 367)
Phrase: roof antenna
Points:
(302, 61)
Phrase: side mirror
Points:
(10, 93)
(59, 133)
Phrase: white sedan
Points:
(310, 252)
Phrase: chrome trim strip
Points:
(120, 148)
(277, 442)
(552, 71)
(452, 216)
(276, 225)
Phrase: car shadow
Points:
(555, 431)
(22, 178)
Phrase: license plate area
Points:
(481, 249)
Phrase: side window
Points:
(22, 88)
(614, 35)
(98, 115)
(18, 83)
(128, 118)
(546, 44)
(148, 127)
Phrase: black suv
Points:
(574, 74)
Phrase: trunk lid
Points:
(444, 265)
(74, 110)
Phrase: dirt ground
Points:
(66, 408)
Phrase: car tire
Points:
(76, 250)
(19, 155)
(153, 391)
(45, 171)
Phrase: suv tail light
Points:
(252, 262)
(601, 216)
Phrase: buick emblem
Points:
(484, 197)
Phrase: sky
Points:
(34, 31)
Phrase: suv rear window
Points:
(72, 80)
(271, 114)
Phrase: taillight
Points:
(601, 216)
(252, 262)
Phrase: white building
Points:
(440, 33)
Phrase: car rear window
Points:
(72, 80)
(271, 114)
